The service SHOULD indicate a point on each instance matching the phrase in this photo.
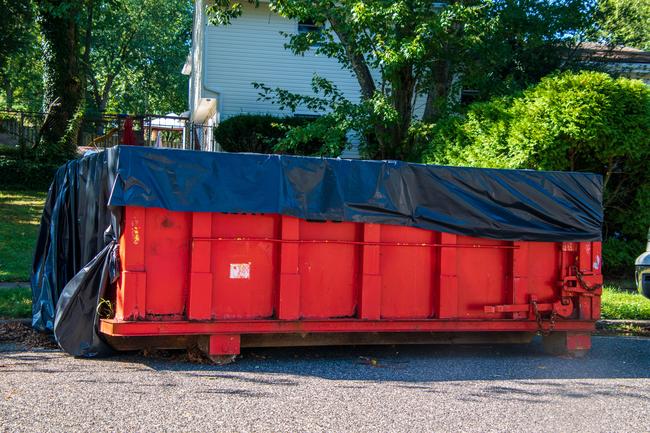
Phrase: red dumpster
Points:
(224, 251)
(234, 276)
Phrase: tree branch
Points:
(357, 61)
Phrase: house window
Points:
(468, 96)
(306, 26)
(309, 26)
(307, 116)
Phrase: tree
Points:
(15, 21)
(415, 55)
(137, 50)
(585, 121)
(122, 55)
(20, 66)
(624, 22)
(63, 79)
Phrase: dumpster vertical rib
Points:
(289, 290)
(131, 293)
(448, 296)
(585, 262)
(370, 299)
(519, 293)
(584, 266)
(199, 303)
(596, 251)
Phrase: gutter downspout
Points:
(204, 83)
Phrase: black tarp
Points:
(81, 216)
(77, 226)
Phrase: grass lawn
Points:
(20, 214)
(15, 303)
(617, 304)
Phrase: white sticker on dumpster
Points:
(240, 271)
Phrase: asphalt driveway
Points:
(412, 388)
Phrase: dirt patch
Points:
(19, 332)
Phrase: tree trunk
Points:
(357, 61)
(402, 92)
(438, 96)
(367, 86)
(9, 92)
(63, 86)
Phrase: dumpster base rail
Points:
(221, 340)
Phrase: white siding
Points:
(251, 49)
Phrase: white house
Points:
(625, 61)
(225, 60)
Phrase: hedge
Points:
(261, 133)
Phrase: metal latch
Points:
(563, 308)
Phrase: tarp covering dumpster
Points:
(80, 222)
(77, 233)
(497, 204)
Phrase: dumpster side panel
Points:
(543, 263)
(154, 254)
(483, 275)
(166, 263)
(245, 272)
(407, 273)
(329, 272)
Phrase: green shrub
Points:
(11, 152)
(26, 174)
(586, 121)
(620, 254)
(262, 133)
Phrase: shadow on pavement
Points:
(610, 357)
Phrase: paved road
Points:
(414, 388)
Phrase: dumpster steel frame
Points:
(132, 328)
(297, 276)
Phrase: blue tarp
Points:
(497, 204)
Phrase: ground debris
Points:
(192, 355)
(20, 332)
(373, 362)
